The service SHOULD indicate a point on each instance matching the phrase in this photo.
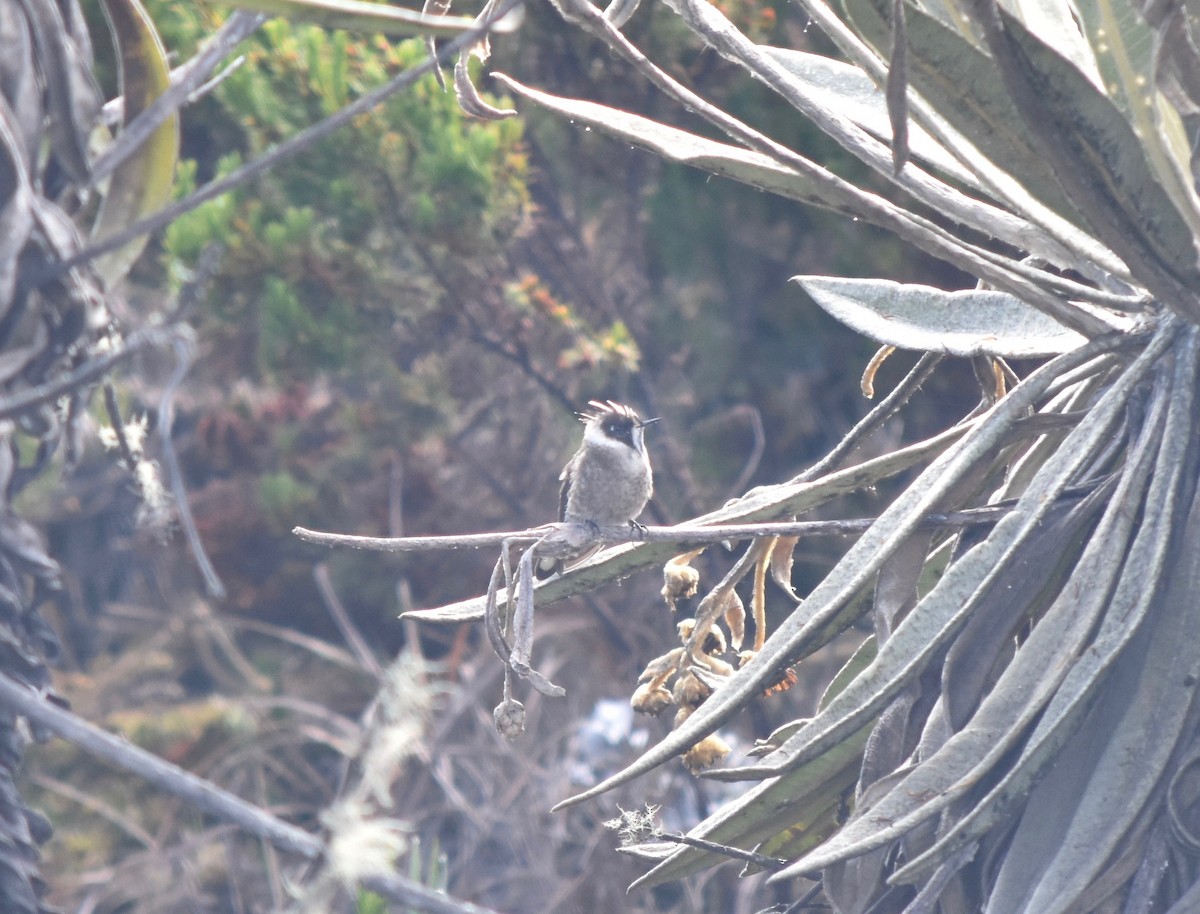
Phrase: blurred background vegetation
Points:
(397, 329)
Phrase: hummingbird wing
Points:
(547, 567)
(565, 490)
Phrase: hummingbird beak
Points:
(644, 422)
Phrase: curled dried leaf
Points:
(714, 639)
(735, 616)
(782, 554)
(867, 384)
(470, 100)
(662, 668)
(652, 696)
(689, 690)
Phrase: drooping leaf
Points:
(677, 145)
(941, 62)
(142, 183)
(782, 555)
(1130, 57)
(897, 87)
(72, 97)
(16, 203)
(1108, 153)
(849, 90)
(19, 84)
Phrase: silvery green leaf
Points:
(965, 323)
(848, 89)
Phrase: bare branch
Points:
(682, 534)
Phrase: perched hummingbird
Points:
(608, 481)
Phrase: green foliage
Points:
(370, 903)
(344, 226)
(283, 497)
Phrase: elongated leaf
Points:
(797, 804)
(857, 567)
(1056, 19)
(1131, 601)
(676, 145)
(942, 66)
(72, 97)
(859, 661)
(16, 203)
(1129, 57)
(19, 81)
(966, 323)
(847, 89)
(1028, 682)
(356, 16)
(971, 666)
(142, 183)
(1108, 155)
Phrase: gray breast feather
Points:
(606, 486)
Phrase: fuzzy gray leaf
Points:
(966, 323)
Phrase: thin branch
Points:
(725, 850)
(757, 447)
(184, 351)
(94, 804)
(171, 778)
(886, 408)
(681, 534)
(118, 424)
(93, 370)
(345, 624)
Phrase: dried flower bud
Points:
(705, 753)
(650, 698)
(689, 691)
(509, 718)
(680, 580)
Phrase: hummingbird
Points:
(609, 480)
